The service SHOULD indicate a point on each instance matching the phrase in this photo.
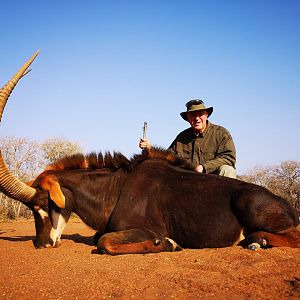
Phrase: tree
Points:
(22, 156)
(24, 160)
(286, 182)
(56, 148)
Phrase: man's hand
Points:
(144, 143)
(199, 169)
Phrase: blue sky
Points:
(105, 67)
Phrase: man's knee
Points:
(227, 171)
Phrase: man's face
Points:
(197, 119)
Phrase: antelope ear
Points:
(50, 184)
(56, 194)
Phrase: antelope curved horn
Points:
(10, 185)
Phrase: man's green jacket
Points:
(212, 148)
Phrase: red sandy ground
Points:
(75, 271)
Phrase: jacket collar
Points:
(202, 134)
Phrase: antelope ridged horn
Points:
(10, 185)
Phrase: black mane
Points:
(116, 160)
(157, 153)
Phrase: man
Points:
(209, 147)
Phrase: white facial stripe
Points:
(58, 225)
(240, 238)
(43, 214)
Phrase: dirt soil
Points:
(75, 271)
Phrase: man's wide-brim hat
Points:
(195, 105)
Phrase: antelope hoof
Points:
(254, 246)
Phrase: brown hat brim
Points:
(209, 111)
